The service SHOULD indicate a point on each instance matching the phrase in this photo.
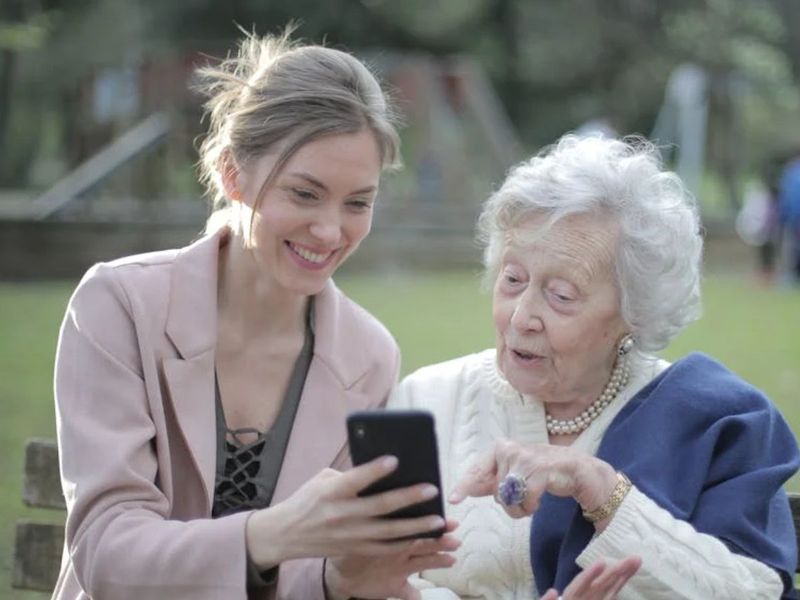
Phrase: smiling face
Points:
(315, 212)
(556, 311)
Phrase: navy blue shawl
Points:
(704, 445)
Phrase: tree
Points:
(555, 64)
(23, 27)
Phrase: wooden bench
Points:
(38, 546)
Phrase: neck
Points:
(250, 301)
(582, 397)
(580, 402)
(581, 417)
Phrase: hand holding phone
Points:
(408, 435)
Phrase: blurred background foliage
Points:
(555, 65)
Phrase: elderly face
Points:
(556, 311)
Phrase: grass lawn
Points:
(754, 331)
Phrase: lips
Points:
(525, 355)
(315, 257)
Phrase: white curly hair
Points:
(659, 252)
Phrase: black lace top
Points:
(249, 461)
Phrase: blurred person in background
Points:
(789, 211)
(758, 222)
(594, 254)
(201, 393)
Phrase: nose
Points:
(327, 228)
(527, 313)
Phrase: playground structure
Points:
(680, 128)
(458, 143)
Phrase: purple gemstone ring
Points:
(512, 490)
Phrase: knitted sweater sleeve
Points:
(678, 562)
(430, 591)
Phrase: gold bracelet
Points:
(617, 496)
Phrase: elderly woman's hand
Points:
(560, 470)
(598, 582)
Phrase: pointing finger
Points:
(479, 480)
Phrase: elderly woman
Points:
(594, 253)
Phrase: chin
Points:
(303, 286)
(509, 374)
(522, 382)
(310, 289)
(306, 283)
(523, 387)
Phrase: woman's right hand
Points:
(387, 576)
(598, 582)
(326, 517)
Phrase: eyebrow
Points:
(581, 274)
(317, 183)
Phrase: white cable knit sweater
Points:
(473, 406)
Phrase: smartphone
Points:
(410, 436)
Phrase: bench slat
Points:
(794, 502)
(42, 484)
(37, 555)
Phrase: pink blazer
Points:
(134, 387)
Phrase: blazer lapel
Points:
(192, 327)
(191, 390)
(319, 432)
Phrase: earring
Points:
(625, 345)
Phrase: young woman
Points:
(201, 392)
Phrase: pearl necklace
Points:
(619, 379)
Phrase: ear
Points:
(230, 176)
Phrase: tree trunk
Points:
(7, 62)
(726, 154)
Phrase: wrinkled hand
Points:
(325, 517)
(598, 582)
(387, 576)
(560, 470)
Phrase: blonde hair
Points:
(277, 91)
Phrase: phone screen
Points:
(410, 436)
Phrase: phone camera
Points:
(360, 431)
